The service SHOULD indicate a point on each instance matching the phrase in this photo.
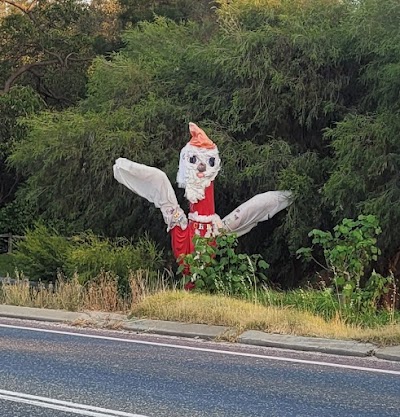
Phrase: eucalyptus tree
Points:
(49, 45)
(46, 48)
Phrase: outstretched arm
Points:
(258, 209)
(152, 184)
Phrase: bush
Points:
(91, 254)
(16, 217)
(43, 253)
(348, 254)
(216, 267)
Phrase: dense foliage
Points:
(216, 267)
(298, 94)
(46, 48)
(348, 253)
(44, 253)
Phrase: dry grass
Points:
(17, 293)
(243, 315)
(101, 294)
(151, 296)
(98, 294)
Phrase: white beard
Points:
(195, 187)
(188, 173)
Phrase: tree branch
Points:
(57, 56)
(25, 10)
(18, 6)
(32, 5)
(28, 67)
(11, 79)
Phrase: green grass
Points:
(324, 303)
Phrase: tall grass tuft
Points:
(143, 283)
(17, 292)
(67, 294)
(101, 293)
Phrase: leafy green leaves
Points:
(216, 267)
(44, 252)
(365, 174)
(348, 253)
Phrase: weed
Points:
(348, 252)
(216, 267)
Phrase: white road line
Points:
(199, 349)
(69, 407)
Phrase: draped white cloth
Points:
(152, 184)
(258, 209)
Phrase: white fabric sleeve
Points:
(152, 184)
(258, 209)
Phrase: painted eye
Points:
(211, 162)
(193, 159)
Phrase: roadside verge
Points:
(202, 331)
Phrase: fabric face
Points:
(198, 167)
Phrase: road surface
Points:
(59, 371)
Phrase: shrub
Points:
(216, 267)
(92, 254)
(42, 254)
(348, 254)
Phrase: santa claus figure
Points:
(199, 164)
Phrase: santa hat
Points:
(205, 146)
(199, 138)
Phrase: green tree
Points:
(49, 45)
(21, 101)
(366, 143)
(122, 115)
(134, 11)
(46, 48)
(298, 94)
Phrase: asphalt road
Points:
(50, 374)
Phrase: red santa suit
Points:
(202, 222)
(199, 164)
